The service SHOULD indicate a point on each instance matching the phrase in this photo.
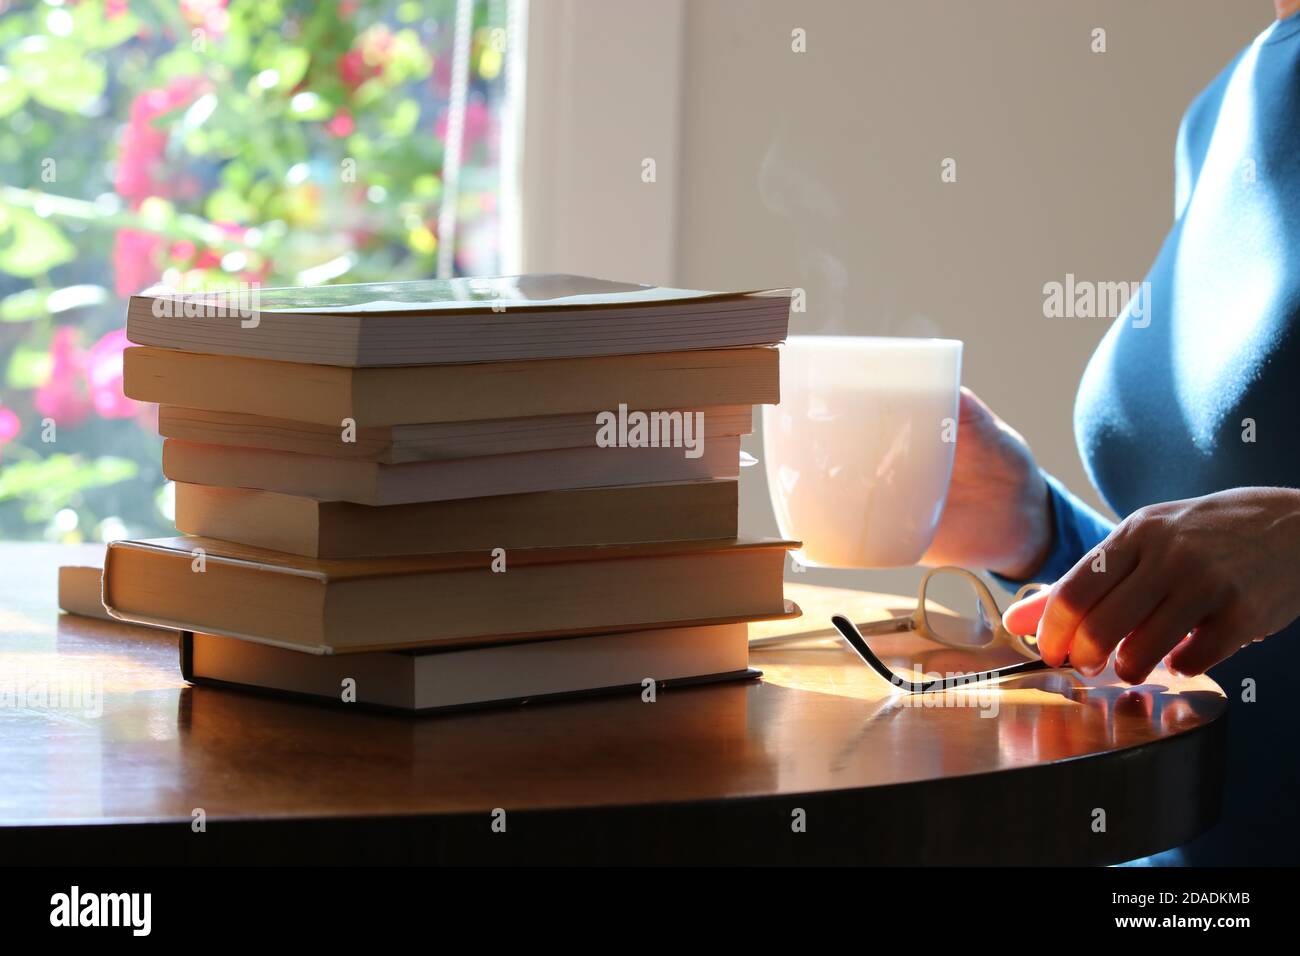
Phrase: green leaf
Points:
(34, 303)
(23, 306)
(58, 477)
(403, 118)
(426, 186)
(58, 74)
(179, 62)
(12, 92)
(407, 58)
(309, 106)
(29, 367)
(97, 31)
(291, 63)
(234, 48)
(77, 86)
(35, 246)
(224, 205)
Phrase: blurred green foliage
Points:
(205, 143)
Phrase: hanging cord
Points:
(509, 207)
(451, 153)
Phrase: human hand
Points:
(996, 514)
(1194, 580)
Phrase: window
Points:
(209, 144)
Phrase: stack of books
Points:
(442, 494)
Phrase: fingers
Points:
(1130, 608)
(1075, 594)
(1213, 640)
(1119, 612)
(1023, 616)
(1155, 637)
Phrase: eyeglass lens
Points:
(955, 612)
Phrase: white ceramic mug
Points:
(859, 452)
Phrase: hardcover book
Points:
(344, 606)
(431, 681)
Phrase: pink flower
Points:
(478, 125)
(63, 396)
(341, 124)
(139, 165)
(10, 426)
(182, 251)
(353, 69)
(367, 59)
(208, 257)
(135, 260)
(210, 15)
(104, 377)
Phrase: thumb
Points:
(1022, 617)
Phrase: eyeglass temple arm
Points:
(893, 625)
(851, 634)
(889, 625)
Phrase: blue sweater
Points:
(1201, 393)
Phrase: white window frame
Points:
(603, 91)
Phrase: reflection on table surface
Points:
(818, 720)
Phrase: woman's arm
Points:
(1194, 580)
(1076, 530)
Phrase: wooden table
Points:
(720, 773)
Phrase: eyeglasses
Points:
(975, 625)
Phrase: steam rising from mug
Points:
(859, 452)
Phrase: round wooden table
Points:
(820, 761)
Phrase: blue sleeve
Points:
(1076, 530)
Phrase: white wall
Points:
(821, 169)
(603, 93)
